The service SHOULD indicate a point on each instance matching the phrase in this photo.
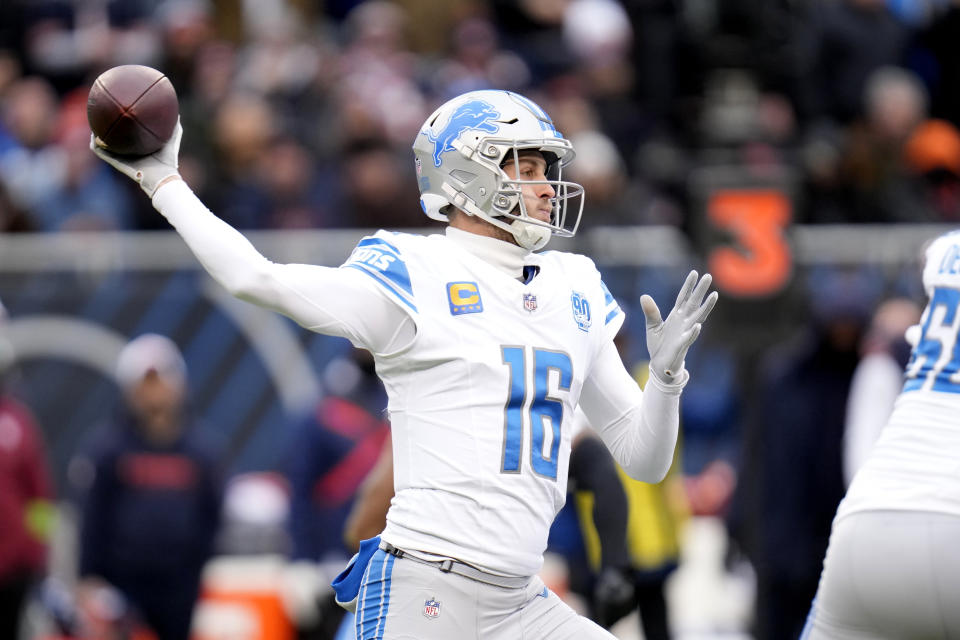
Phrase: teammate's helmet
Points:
(459, 152)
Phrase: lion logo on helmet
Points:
(475, 114)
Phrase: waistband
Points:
(449, 565)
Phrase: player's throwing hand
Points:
(668, 340)
(148, 171)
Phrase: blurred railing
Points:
(611, 245)
(74, 299)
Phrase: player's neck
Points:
(505, 256)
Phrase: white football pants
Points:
(401, 599)
(889, 575)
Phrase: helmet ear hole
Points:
(435, 206)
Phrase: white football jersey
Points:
(481, 403)
(915, 463)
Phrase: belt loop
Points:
(446, 565)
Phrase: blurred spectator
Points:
(932, 155)
(711, 413)
(597, 31)
(877, 379)
(31, 164)
(477, 62)
(89, 198)
(11, 67)
(256, 512)
(661, 82)
(603, 174)
(895, 103)
(65, 40)
(430, 23)
(801, 395)
(151, 492)
(841, 43)
(26, 495)
(297, 194)
(377, 188)
(934, 58)
(534, 29)
(863, 174)
(658, 54)
(243, 127)
(12, 217)
(916, 13)
(332, 451)
(614, 198)
(184, 28)
(279, 60)
(376, 90)
(599, 35)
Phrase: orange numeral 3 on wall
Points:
(760, 263)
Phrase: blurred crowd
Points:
(301, 114)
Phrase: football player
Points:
(892, 569)
(485, 348)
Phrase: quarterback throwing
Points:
(486, 348)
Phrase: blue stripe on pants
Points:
(374, 600)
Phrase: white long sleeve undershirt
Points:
(302, 292)
(640, 428)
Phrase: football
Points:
(132, 109)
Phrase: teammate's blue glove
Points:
(147, 171)
(668, 340)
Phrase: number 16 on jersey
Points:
(543, 411)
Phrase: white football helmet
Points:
(459, 152)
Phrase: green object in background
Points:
(39, 518)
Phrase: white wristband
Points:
(670, 387)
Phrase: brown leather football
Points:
(132, 109)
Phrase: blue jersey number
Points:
(935, 363)
(545, 412)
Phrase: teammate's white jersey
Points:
(481, 402)
(915, 464)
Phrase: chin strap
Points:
(530, 236)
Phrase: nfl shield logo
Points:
(530, 302)
(431, 608)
